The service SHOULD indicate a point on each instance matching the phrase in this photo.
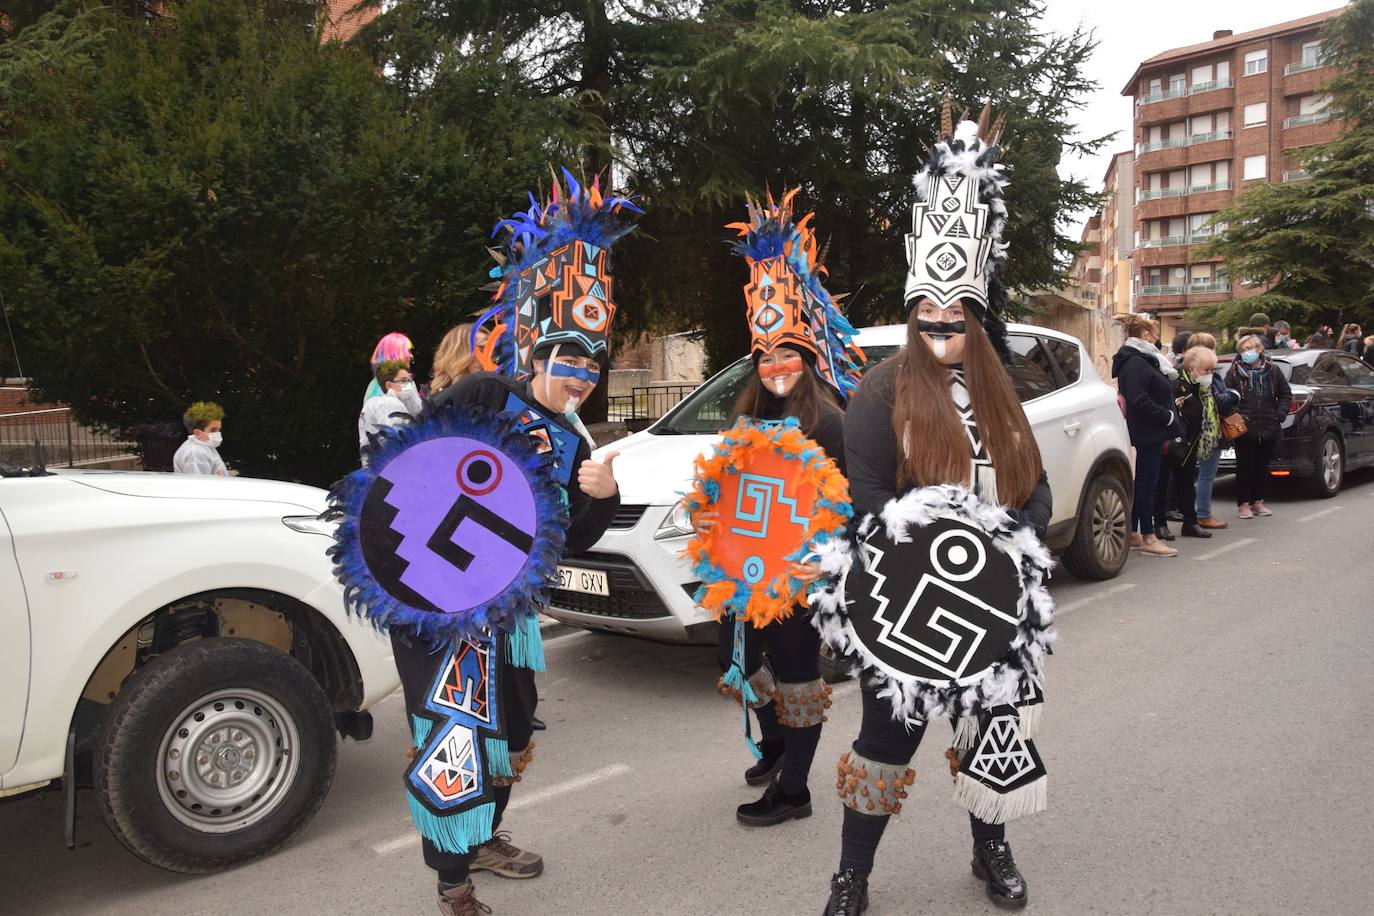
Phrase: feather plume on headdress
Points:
(786, 298)
(553, 283)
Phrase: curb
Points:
(550, 628)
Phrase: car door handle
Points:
(1072, 427)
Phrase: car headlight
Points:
(676, 524)
(310, 524)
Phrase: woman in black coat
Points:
(1264, 401)
(1151, 418)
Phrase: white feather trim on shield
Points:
(926, 659)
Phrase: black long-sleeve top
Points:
(871, 452)
(829, 430)
(589, 518)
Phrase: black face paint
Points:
(939, 327)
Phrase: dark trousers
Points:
(1252, 468)
(1148, 460)
(1185, 489)
(417, 663)
(885, 740)
(1163, 492)
(794, 651)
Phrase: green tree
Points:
(1311, 243)
(215, 205)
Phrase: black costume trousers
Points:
(885, 740)
(794, 652)
(417, 663)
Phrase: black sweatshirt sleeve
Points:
(589, 517)
(870, 448)
(1039, 508)
(1282, 391)
(829, 435)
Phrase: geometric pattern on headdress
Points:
(955, 245)
(786, 302)
(554, 283)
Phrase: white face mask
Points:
(215, 439)
(409, 396)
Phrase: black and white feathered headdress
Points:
(955, 247)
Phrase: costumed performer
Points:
(943, 411)
(553, 314)
(804, 364)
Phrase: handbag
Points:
(1233, 427)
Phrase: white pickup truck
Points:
(180, 644)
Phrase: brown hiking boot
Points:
(1211, 522)
(499, 857)
(460, 901)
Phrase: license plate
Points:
(586, 581)
(1228, 454)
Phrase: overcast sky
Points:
(1128, 33)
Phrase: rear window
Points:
(1030, 370)
(1066, 354)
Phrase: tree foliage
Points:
(215, 205)
(1311, 243)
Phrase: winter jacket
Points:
(1263, 413)
(1226, 398)
(1354, 346)
(1149, 396)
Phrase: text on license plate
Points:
(586, 581)
(1228, 454)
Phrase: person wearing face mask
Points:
(393, 346)
(547, 351)
(1264, 401)
(398, 403)
(942, 411)
(805, 364)
(1283, 336)
(199, 454)
(1152, 418)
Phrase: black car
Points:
(1330, 427)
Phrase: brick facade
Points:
(1193, 150)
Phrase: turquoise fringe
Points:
(455, 833)
(498, 757)
(420, 728)
(525, 645)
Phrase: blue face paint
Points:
(562, 370)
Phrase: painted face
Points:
(780, 370)
(942, 330)
(448, 525)
(563, 381)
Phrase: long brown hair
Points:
(929, 430)
(808, 399)
(454, 358)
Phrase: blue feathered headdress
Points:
(555, 287)
(786, 300)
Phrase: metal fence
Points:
(54, 437)
(647, 403)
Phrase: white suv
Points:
(181, 644)
(633, 582)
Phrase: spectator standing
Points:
(1264, 401)
(1225, 400)
(1151, 418)
(394, 346)
(456, 357)
(1283, 336)
(397, 404)
(1202, 430)
(1166, 490)
(1352, 340)
(1259, 324)
(199, 454)
(1369, 350)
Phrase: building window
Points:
(1311, 53)
(1202, 74)
(1254, 168)
(1256, 114)
(1223, 70)
(1178, 82)
(1256, 62)
(1312, 104)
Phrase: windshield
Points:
(706, 411)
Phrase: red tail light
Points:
(1299, 402)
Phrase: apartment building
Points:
(1117, 226)
(1211, 120)
(342, 21)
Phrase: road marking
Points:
(534, 798)
(1095, 597)
(1235, 545)
(1318, 514)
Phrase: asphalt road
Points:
(1209, 736)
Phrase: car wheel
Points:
(1101, 542)
(834, 667)
(216, 753)
(1326, 483)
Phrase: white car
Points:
(181, 644)
(633, 581)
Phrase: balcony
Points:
(1171, 143)
(1182, 92)
(1162, 291)
(1296, 175)
(1212, 137)
(1212, 286)
(1162, 193)
(1200, 88)
(1165, 242)
(1200, 238)
(1166, 193)
(1303, 67)
(1209, 188)
(1320, 117)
